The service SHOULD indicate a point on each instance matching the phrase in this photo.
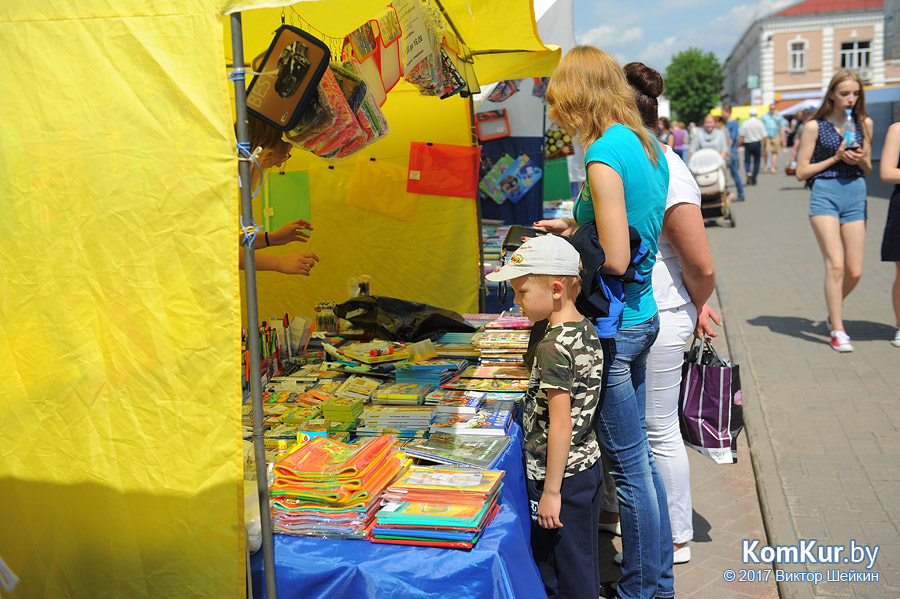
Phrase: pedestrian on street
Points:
(835, 171)
(890, 243)
(750, 135)
(732, 126)
(775, 138)
(680, 139)
(709, 137)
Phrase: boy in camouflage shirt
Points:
(562, 456)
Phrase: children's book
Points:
(359, 387)
(405, 393)
(459, 402)
(502, 338)
(484, 422)
(479, 451)
(490, 183)
(487, 385)
(495, 372)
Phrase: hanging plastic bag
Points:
(442, 169)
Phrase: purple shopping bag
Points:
(710, 406)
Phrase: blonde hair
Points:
(571, 283)
(859, 109)
(588, 93)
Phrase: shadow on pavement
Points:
(701, 529)
(815, 330)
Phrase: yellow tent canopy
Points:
(119, 411)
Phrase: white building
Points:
(792, 54)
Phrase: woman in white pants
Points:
(683, 280)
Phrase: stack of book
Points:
(455, 346)
(341, 409)
(490, 419)
(434, 372)
(509, 379)
(358, 387)
(478, 451)
(403, 421)
(331, 489)
(438, 507)
(455, 401)
(502, 347)
(401, 394)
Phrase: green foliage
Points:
(693, 84)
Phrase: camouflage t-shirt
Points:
(568, 357)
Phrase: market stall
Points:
(121, 332)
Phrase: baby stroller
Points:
(708, 168)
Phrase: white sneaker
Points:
(682, 556)
(896, 340)
(840, 341)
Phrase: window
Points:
(798, 57)
(855, 55)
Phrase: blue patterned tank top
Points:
(826, 145)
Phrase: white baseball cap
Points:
(543, 255)
(753, 112)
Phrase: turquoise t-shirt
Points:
(646, 187)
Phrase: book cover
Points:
(480, 451)
(359, 387)
(487, 385)
(484, 422)
(412, 391)
(495, 372)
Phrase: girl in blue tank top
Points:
(837, 204)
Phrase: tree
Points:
(693, 83)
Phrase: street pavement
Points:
(822, 426)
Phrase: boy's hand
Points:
(548, 510)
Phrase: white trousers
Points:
(663, 382)
(663, 432)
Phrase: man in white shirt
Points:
(751, 134)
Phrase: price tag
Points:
(415, 33)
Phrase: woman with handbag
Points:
(627, 181)
(684, 277)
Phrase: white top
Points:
(752, 130)
(668, 284)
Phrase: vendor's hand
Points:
(292, 231)
(297, 264)
(561, 226)
(703, 327)
(548, 510)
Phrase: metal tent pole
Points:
(243, 138)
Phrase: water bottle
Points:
(848, 131)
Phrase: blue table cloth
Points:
(500, 566)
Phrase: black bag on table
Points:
(401, 320)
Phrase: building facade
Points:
(791, 55)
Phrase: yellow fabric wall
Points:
(120, 459)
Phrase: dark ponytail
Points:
(648, 85)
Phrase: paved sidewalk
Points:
(822, 426)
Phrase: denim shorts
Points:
(844, 199)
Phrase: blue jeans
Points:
(643, 508)
(733, 166)
(752, 150)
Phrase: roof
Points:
(824, 6)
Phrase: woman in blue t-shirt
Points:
(835, 171)
(627, 184)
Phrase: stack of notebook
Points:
(438, 507)
(331, 489)
(434, 372)
(401, 393)
(455, 346)
(403, 421)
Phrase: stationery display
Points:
(438, 507)
(327, 488)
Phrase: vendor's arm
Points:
(289, 264)
(890, 155)
(608, 195)
(559, 440)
